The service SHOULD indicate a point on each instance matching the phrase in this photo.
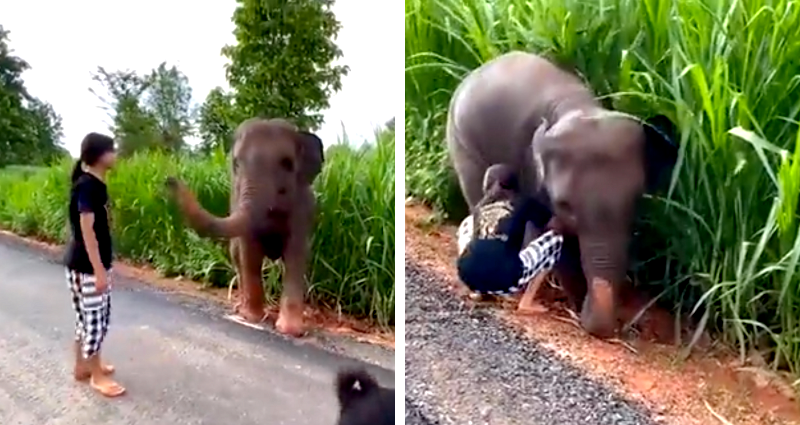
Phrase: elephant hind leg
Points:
(469, 169)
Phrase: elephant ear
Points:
(311, 156)
(661, 151)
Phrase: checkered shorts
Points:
(92, 311)
(541, 254)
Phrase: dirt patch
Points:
(321, 319)
(711, 386)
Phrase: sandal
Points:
(110, 390)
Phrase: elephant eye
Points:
(287, 164)
(235, 165)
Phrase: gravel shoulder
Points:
(464, 366)
(712, 385)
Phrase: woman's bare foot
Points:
(83, 368)
(82, 371)
(107, 369)
(106, 386)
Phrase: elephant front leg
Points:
(290, 318)
(251, 291)
(604, 262)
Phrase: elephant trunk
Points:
(205, 223)
(604, 259)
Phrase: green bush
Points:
(352, 269)
(724, 238)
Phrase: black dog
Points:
(362, 401)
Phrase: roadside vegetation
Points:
(721, 242)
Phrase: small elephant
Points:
(591, 165)
(273, 166)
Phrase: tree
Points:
(30, 130)
(148, 112)
(282, 62)
(169, 98)
(134, 128)
(216, 121)
(43, 132)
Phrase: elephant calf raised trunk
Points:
(203, 222)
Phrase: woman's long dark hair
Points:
(93, 146)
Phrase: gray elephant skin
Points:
(589, 164)
(273, 166)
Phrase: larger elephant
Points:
(273, 166)
(591, 165)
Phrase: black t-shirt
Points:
(89, 195)
(491, 261)
(506, 220)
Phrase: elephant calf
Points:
(589, 164)
(273, 166)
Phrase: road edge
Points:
(371, 348)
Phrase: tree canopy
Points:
(152, 111)
(30, 130)
(283, 64)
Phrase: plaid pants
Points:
(92, 311)
(541, 254)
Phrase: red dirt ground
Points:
(709, 387)
(320, 319)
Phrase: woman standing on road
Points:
(88, 261)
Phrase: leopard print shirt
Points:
(489, 217)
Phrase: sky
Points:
(68, 43)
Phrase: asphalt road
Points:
(180, 360)
(464, 366)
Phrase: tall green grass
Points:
(352, 269)
(722, 240)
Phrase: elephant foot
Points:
(598, 313)
(290, 319)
